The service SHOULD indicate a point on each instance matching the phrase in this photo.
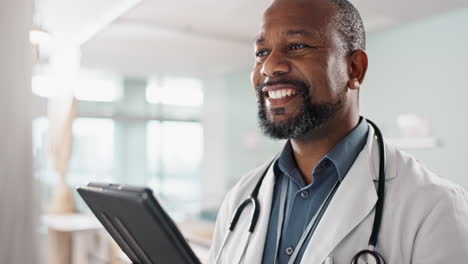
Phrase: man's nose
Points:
(275, 64)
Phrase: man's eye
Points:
(296, 46)
(261, 53)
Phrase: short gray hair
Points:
(348, 22)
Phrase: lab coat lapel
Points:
(352, 203)
(254, 252)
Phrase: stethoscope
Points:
(368, 256)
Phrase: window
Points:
(175, 91)
(174, 153)
(157, 146)
(92, 158)
(98, 90)
(93, 151)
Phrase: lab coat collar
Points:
(352, 203)
(372, 151)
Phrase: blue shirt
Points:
(303, 201)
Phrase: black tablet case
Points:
(138, 224)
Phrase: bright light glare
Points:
(98, 90)
(39, 37)
(175, 91)
(46, 86)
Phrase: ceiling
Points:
(192, 37)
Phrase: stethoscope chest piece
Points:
(367, 257)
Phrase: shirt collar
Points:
(345, 152)
(286, 161)
(342, 156)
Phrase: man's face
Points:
(300, 73)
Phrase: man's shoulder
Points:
(418, 180)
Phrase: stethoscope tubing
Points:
(253, 199)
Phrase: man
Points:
(318, 198)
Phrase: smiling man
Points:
(321, 198)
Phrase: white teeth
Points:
(272, 94)
(281, 93)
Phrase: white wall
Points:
(17, 204)
(422, 68)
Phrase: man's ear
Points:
(357, 68)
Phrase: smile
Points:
(282, 93)
(280, 97)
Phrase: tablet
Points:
(138, 224)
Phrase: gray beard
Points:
(311, 117)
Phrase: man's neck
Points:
(311, 148)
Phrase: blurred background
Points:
(157, 93)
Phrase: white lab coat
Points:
(425, 218)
